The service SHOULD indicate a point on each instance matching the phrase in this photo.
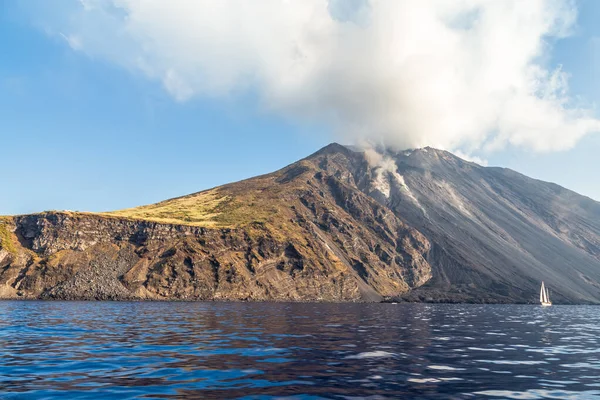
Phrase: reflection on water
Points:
(304, 351)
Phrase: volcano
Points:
(343, 224)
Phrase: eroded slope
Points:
(303, 233)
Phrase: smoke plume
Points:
(470, 74)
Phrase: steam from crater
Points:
(467, 74)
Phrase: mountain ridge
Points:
(338, 225)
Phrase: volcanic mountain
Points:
(341, 225)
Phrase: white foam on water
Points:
(444, 368)
(250, 371)
(540, 394)
(582, 365)
(481, 349)
(268, 350)
(575, 349)
(507, 394)
(371, 354)
(423, 380)
(512, 362)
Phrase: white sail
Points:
(543, 294)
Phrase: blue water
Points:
(303, 351)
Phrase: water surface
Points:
(298, 351)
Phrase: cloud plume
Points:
(469, 74)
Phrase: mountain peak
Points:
(332, 148)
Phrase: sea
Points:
(214, 350)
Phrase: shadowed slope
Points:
(495, 232)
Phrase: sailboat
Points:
(544, 296)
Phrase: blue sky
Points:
(81, 132)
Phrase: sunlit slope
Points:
(304, 233)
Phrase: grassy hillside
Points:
(259, 200)
(201, 209)
(7, 240)
(211, 209)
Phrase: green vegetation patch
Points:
(241, 212)
(7, 240)
(211, 209)
(198, 209)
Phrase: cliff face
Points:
(321, 240)
(340, 225)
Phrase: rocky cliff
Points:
(340, 225)
(302, 234)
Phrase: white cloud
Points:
(468, 74)
(471, 158)
(73, 40)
